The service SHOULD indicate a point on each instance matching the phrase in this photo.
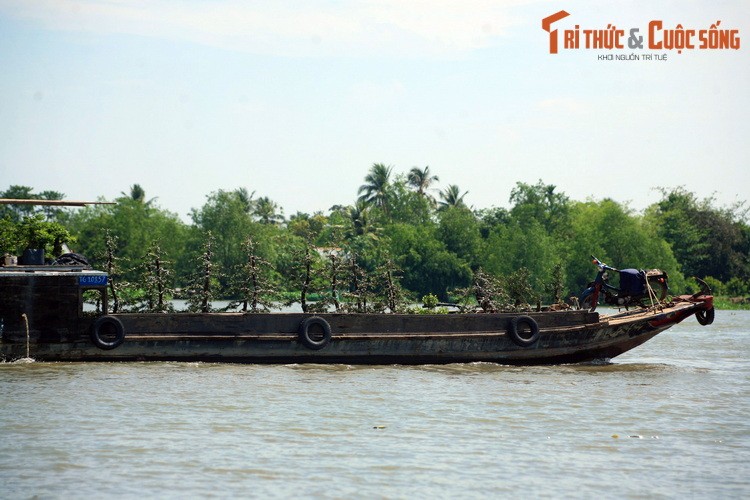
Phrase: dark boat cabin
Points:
(48, 301)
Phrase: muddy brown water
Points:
(669, 419)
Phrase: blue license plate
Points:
(99, 280)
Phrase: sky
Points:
(296, 103)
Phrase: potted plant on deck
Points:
(37, 236)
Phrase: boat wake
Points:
(22, 361)
(598, 362)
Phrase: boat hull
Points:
(564, 337)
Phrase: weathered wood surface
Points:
(341, 324)
(51, 302)
(58, 330)
(236, 342)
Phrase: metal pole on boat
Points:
(56, 203)
(26, 322)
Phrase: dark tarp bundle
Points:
(632, 282)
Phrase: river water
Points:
(669, 419)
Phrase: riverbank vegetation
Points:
(400, 239)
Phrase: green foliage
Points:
(357, 223)
(430, 301)
(16, 213)
(308, 226)
(510, 247)
(521, 288)
(738, 287)
(9, 238)
(717, 287)
(612, 233)
(730, 303)
(376, 189)
(94, 298)
(305, 268)
(542, 204)
(489, 291)
(422, 179)
(537, 249)
(35, 232)
(360, 296)
(252, 282)
(515, 292)
(114, 271)
(706, 240)
(734, 295)
(334, 273)
(428, 266)
(228, 217)
(555, 287)
(200, 290)
(423, 310)
(408, 206)
(137, 225)
(458, 229)
(388, 276)
(157, 281)
(451, 197)
(268, 211)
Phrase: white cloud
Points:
(562, 104)
(419, 28)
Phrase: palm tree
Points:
(138, 195)
(360, 221)
(267, 211)
(376, 190)
(451, 197)
(421, 179)
(245, 198)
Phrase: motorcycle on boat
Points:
(637, 287)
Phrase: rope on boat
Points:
(652, 296)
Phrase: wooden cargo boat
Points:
(42, 317)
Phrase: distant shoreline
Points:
(723, 303)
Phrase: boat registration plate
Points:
(99, 280)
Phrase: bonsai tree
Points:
(200, 290)
(34, 233)
(556, 285)
(252, 282)
(520, 289)
(157, 281)
(389, 278)
(304, 274)
(114, 270)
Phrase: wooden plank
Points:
(59, 203)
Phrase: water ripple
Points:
(171, 430)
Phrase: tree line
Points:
(428, 240)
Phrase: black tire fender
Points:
(514, 331)
(705, 317)
(314, 340)
(107, 332)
